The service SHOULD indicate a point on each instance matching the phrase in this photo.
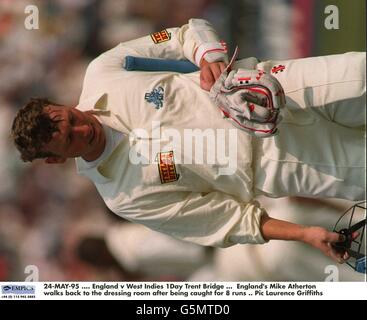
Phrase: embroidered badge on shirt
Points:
(161, 36)
(156, 97)
(167, 167)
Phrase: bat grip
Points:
(150, 64)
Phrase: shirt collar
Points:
(99, 103)
(93, 174)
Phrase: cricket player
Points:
(132, 135)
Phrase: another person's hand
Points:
(323, 240)
(209, 72)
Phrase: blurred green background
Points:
(351, 35)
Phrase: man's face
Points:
(79, 135)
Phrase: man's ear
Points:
(53, 160)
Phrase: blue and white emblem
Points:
(156, 97)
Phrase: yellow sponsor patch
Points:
(167, 167)
(161, 36)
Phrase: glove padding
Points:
(251, 99)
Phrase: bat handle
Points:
(149, 64)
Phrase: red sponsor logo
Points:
(167, 167)
(161, 36)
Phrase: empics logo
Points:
(16, 289)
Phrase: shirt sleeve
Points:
(193, 41)
(213, 219)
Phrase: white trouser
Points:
(320, 149)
